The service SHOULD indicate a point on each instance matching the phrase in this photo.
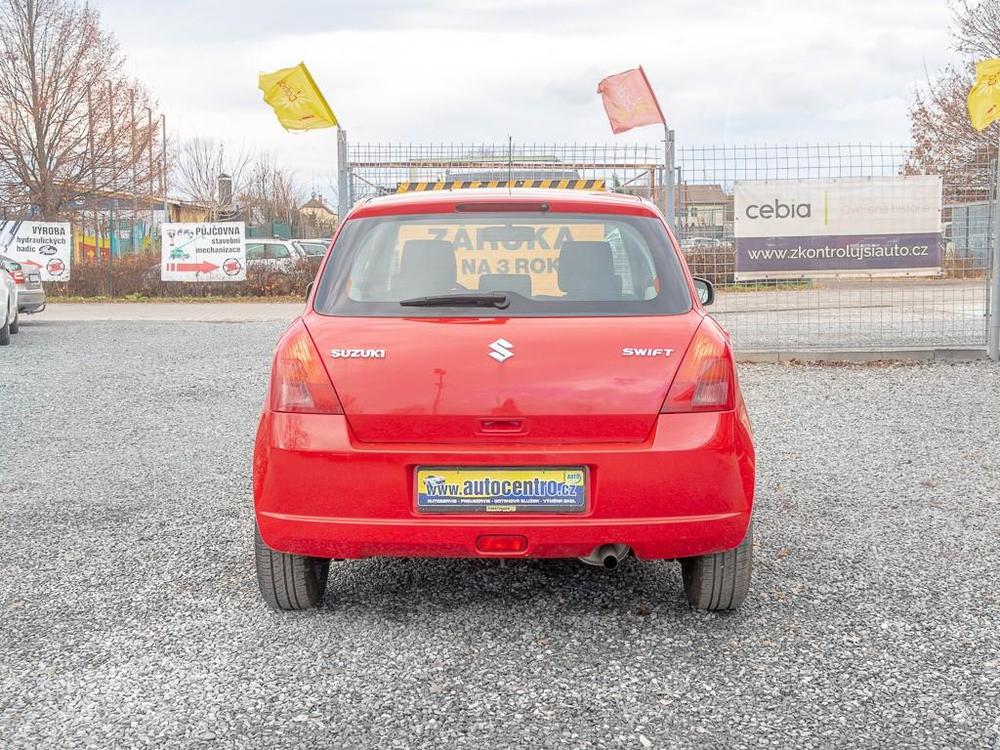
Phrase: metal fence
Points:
(780, 314)
(377, 169)
(876, 312)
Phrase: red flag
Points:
(629, 100)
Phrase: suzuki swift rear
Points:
(504, 374)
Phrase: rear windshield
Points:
(546, 264)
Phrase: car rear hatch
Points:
(481, 380)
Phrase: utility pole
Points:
(93, 172)
(149, 173)
(343, 176)
(134, 159)
(993, 340)
(163, 165)
(114, 195)
(668, 178)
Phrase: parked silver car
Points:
(281, 255)
(30, 293)
(8, 305)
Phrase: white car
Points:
(8, 306)
(281, 256)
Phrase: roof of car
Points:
(445, 201)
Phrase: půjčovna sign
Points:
(208, 251)
(839, 226)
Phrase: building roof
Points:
(702, 194)
(316, 202)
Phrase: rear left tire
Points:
(719, 582)
(5, 333)
(289, 582)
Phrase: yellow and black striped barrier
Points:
(418, 187)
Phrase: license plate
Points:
(548, 489)
(34, 277)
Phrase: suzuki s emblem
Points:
(500, 350)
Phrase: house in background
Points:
(704, 211)
(320, 217)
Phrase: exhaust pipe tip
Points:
(606, 556)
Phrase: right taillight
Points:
(705, 380)
(299, 381)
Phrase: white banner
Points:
(207, 251)
(42, 247)
(839, 226)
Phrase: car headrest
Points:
(519, 283)
(426, 267)
(587, 271)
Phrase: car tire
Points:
(721, 581)
(5, 333)
(289, 582)
(15, 324)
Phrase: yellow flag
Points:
(984, 96)
(296, 99)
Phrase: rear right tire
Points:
(721, 581)
(289, 582)
(15, 324)
(5, 333)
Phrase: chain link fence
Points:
(781, 313)
(827, 312)
(378, 169)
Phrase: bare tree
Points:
(198, 164)
(944, 141)
(977, 28)
(72, 125)
(262, 191)
(271, 193)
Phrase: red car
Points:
(506, 374)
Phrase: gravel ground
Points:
(129, 614)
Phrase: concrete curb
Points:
(848, 356)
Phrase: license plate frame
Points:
(533, 499)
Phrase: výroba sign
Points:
(840, 226)
(42, 247)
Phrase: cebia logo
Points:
(779, 210)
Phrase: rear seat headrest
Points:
(587, 270)
(427, 265)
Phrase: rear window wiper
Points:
(499, 300)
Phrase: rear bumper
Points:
(30, 301)
(687, 490)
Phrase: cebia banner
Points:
(42, 247)
(841, 226)
(209, 251)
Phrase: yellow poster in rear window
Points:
(478, 252)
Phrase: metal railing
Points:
(875, 312)
(780, 314)
(376, 169)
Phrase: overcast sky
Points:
(786, 71)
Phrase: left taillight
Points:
(18, 276)
(299, 382)
(706, 380)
